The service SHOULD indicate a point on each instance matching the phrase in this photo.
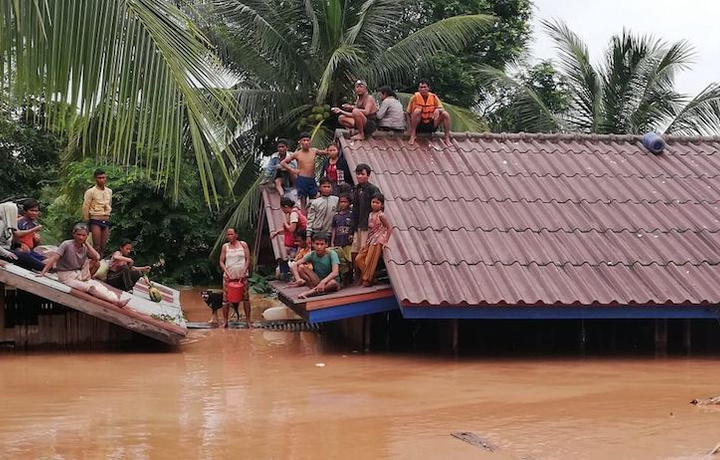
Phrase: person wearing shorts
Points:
(306, 187)
(97, 206)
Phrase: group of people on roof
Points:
(76, 262)
(332, 227)
(335, 229)
(424, 114)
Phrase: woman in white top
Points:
(235, 264)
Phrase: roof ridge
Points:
(343, 134)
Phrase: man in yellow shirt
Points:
(96, 211)
(426, 113)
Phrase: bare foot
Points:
(122, 302)
(358, 137)
(225, 325)
(306, 294)
(366, 283)
(412, 140)
(249, 324)
(447, 140)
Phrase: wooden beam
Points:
(85, 303)
(336, 301)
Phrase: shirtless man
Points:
(305, 172)
(360, 116)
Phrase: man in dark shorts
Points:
(426, 113)
(97, 206)
(361, 115)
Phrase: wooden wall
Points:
(31, 322)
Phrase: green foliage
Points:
(541, 81)
(29, 156)
(259, 284)
(132, 69)
(454, 75)
(174, 238)
(631, 91)
(296, 55)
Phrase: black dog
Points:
(214, 300)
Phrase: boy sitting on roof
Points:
(324, 276)
(281, 178)
(361, 115)
(426, 113)
(305, 172)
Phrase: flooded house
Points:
(42, 313)
(529, 227)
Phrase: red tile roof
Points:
(275, 219)
(549, 219)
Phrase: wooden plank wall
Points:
(39, 323)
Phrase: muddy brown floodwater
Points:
(263, 395)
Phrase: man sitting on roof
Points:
(426, 113)
(391, 116)
(73, 269)
(360, 116)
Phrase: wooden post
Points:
(2, 312)
(455, 335)
(687, 335)
(367, 332)
(661, 337)
(258, 235)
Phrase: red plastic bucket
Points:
(235, 291)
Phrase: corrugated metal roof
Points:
(549, 219)
(275, 219)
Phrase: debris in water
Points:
(474, 439)
(706, 402)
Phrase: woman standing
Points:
(235, 264)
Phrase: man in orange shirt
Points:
(426, 113)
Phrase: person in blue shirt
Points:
(324, 276)
(282, 179)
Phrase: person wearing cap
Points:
(391, 116)
(426, 113)
(360, 115)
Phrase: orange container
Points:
(235, 291)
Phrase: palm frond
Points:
(374, 25)
(700, 116)
(399, 61)
(346, 56)
(134, 69)
(584, 79)
(244, 216)
(529, 108)
(269, 27)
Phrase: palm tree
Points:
(142, 84)
(631, 91)
(298, 57)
